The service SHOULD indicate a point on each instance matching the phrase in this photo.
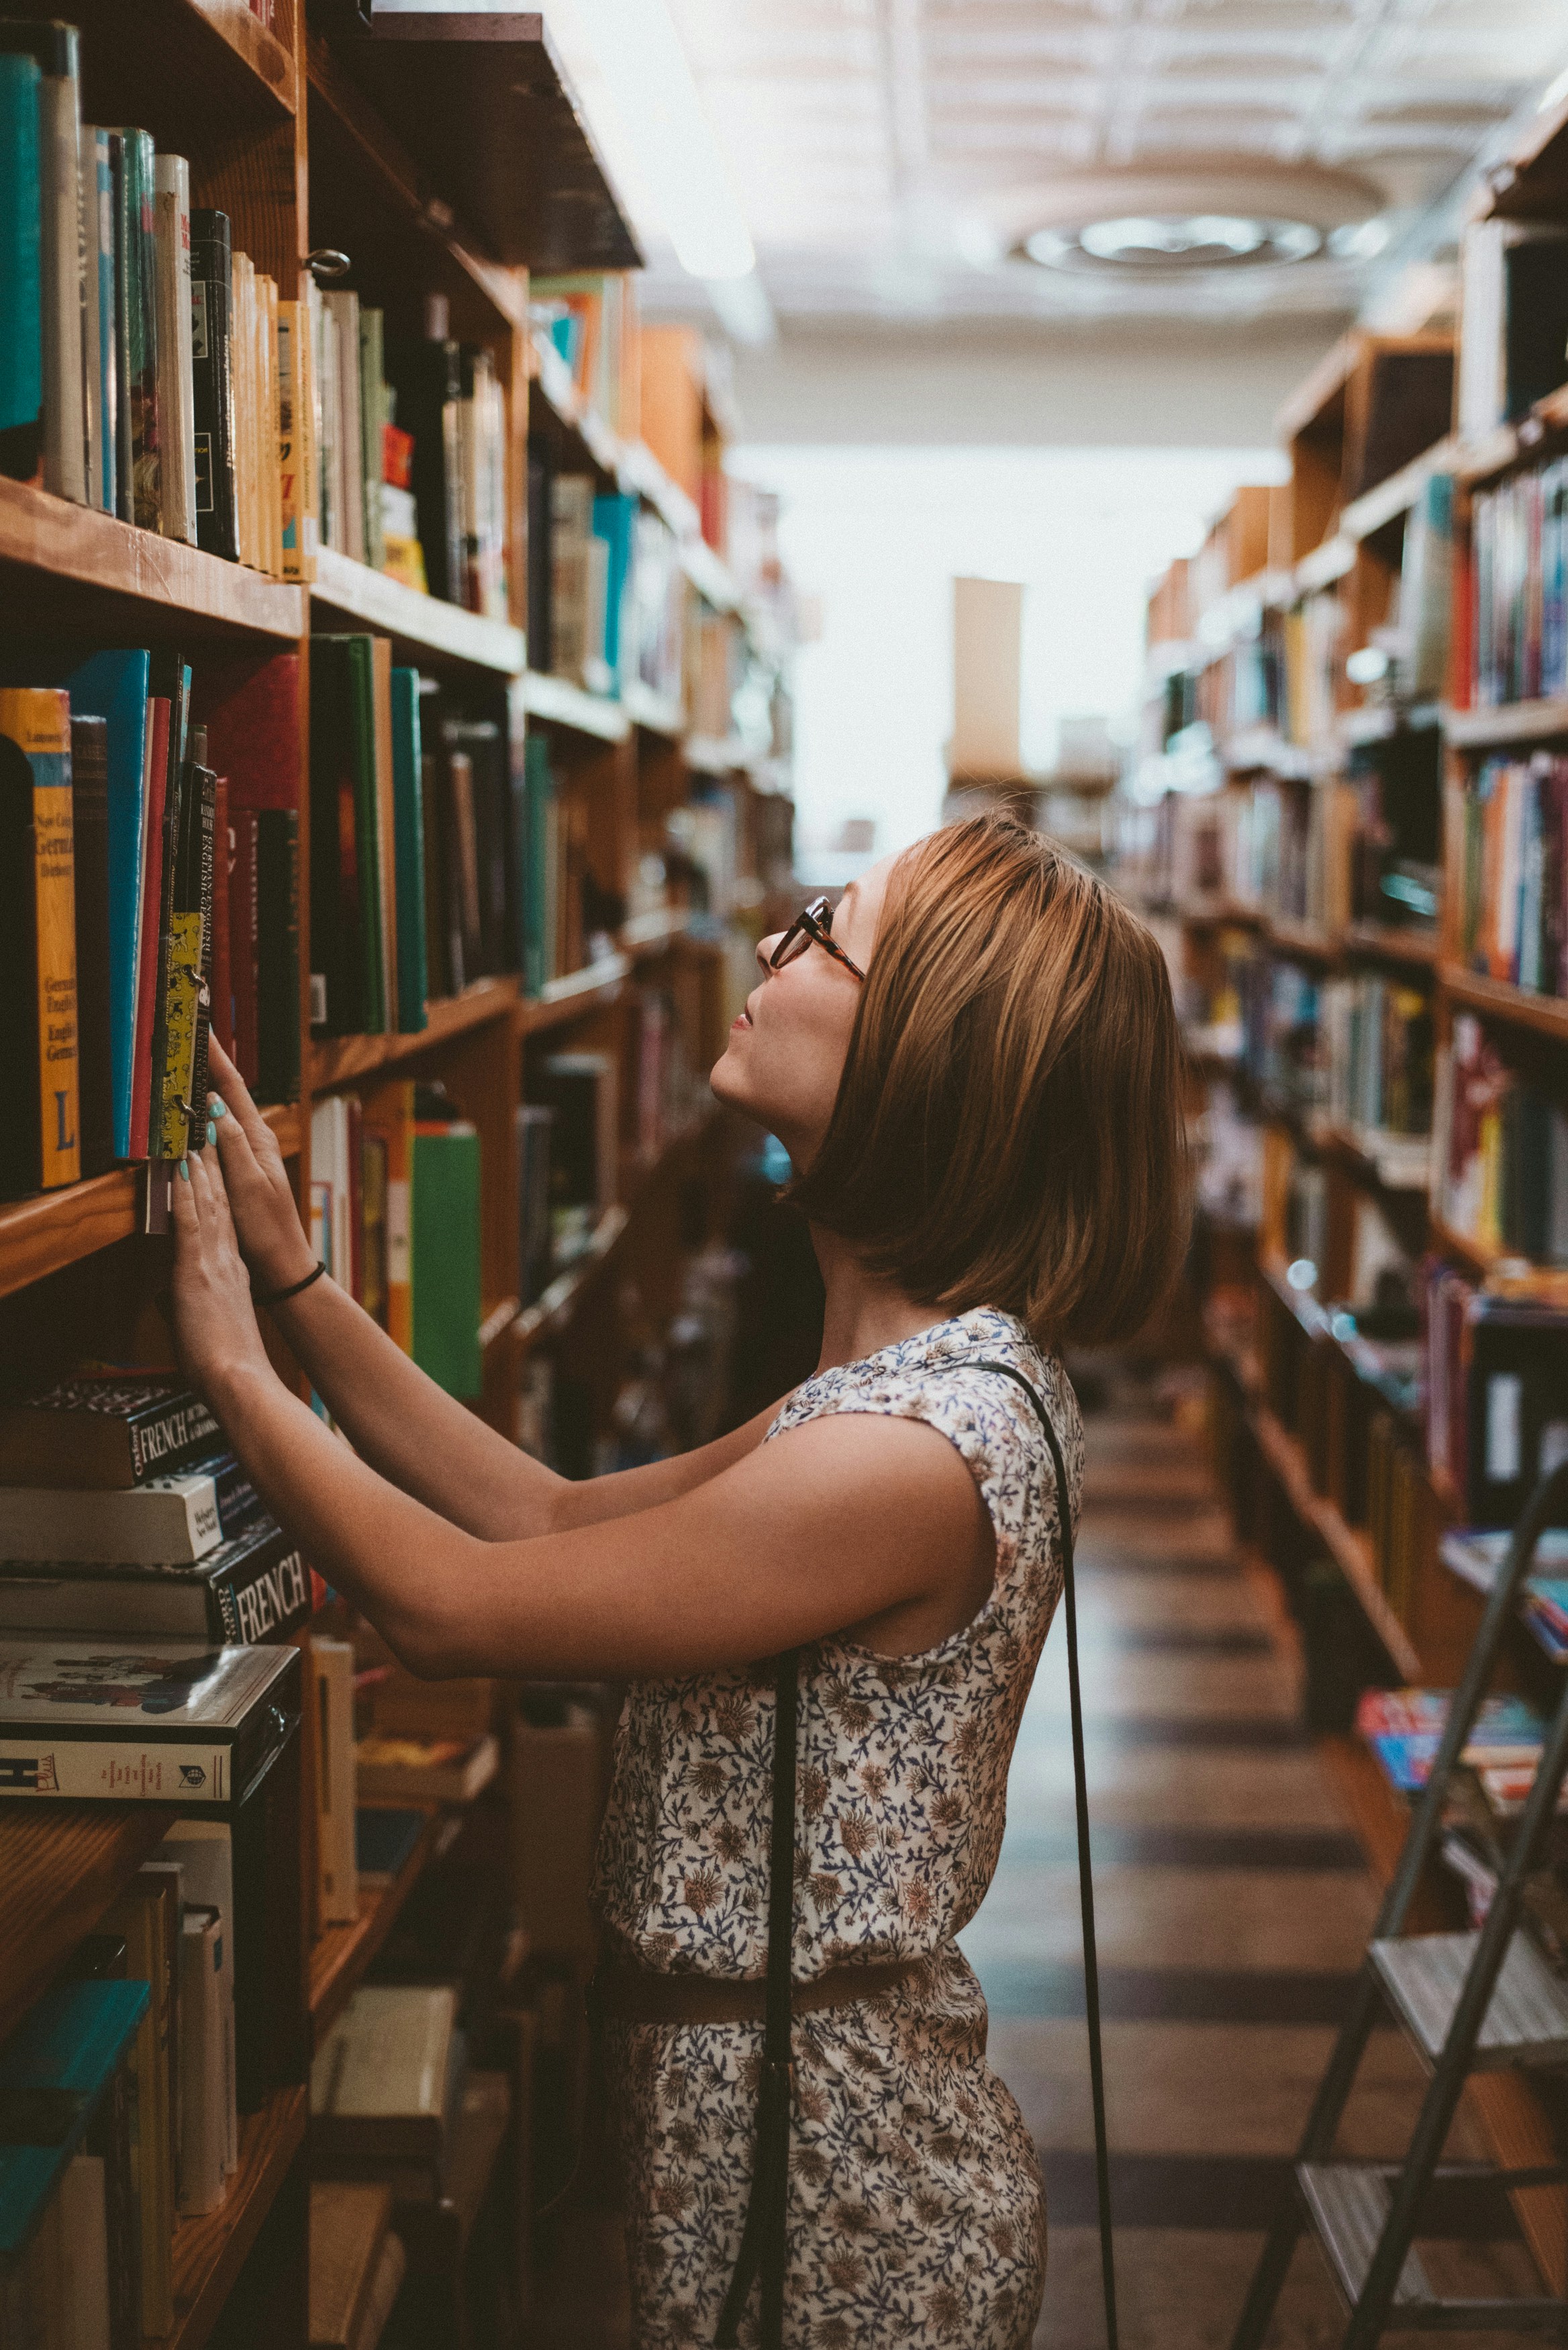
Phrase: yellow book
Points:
(39, 1146)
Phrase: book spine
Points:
(176, 387)
(148, 923)
(413, 974)
(206, 852)
(263, 1599)
(123, 191)
(277, 972)
(174, 822)
(89, 826)
(372, 415)
(50, 1764)
(141, 310)
(222, 1013)
(166, 1434)
(59, 158)
(298, 553)
(244, 944)
(44, 1150)
(212, 387)
(21, 269)
(98, 240)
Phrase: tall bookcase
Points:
(411, 164)
(1248, 846)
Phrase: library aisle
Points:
(1232, 1904)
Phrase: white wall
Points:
(878, 534)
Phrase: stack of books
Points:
(1404, 1727)
(1513, 870)
(1477, 1555)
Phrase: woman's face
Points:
(786, 1050)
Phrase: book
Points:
(137, 254)
(150, 920)
(202, 2119)
(89, 848)
(277, 954)
(387, 1124)
(1404, 1727)
(582, 1089)
(179, 1721)
(385, 829)
(445, 1161)
(391, 2267)
(21, 269)
(346, 434)
(425, 1770)
(381, 2086)
(54, 50)
(147, 1915)
(372, 421)
(407, 791)
(254, 1586)
(206, 1861)
(346, 885)
(538, 943)
(251, 712)
(385, 1836)
(535, 1247)
(349, 2223)
(336, 1868)
(213, 390)
(166, 1521)
(188, 968)
(104, 1430)
(298, 519)
(172, 682)
(224, 858)
(176, 387)
(490, 841)
(40, 1147)
(102, 388)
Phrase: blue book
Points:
(21, 264)
(52, 2071)
(111, 686)
(615, 519)
(409, 846)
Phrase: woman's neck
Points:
(863, 1311)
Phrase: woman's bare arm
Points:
(396, 1417)
(848, 1519)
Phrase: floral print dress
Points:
(916, 2212)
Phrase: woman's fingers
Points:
(183, 1203)
(232, 1092)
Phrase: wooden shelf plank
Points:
(1389, 943)
(260, 51)
(656, 713)
(559, 702)
(61, 1864)
(424, 624)
(1479, 1256)
(121, 578)
(338, 1961)
(1547, 1015)
(1300, 938)
(1512, 722)
(50, 1229)
(210, 2253)
(339, 1060)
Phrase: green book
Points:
(21, 266)
(409, 838)
(446, 1264)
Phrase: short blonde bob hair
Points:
(1009, 1127)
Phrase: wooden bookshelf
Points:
(60, 561)
(62, 1866)
(423, 629)
(209, 2252)
(1304, 940)
(337, 1061)
(552, 1309)
(1350, 1550)
(1514, 722)
(656, 713)
(339, 1960)
(1547, 1015)
(49, 1230)
(1388, 942)
(562, 704)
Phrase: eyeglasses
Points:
(812, 927)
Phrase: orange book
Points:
(41, 1148)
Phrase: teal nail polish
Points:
(217, 1104)
(212, 1131)
(184, 1170)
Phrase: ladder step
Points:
(1349, 2202)
(1525, 2023)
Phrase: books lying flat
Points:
(349, 2223)
(425, 1770)
(160, 1720)
(167, 1521)
(1476, 1556)
(381, 2085)
(104, 1430)
(253, 1589)
(1404, 1727)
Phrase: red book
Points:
(252, 717)
(151, 903)
(245, 827)
(222, 1013)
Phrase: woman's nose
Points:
(765, 951)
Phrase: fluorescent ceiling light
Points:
(1553, 92)
(644, 71)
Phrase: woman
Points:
(973, 1063)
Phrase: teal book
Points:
(54, 2070)
(21, 264)
(538, 793)
(615, 520)
(409, 836)
(446, 1260)
(138, 240)
(98, 179)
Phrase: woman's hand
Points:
(255, 1180)
(214, 1320)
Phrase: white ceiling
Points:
(880, 146)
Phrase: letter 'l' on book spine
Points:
(40, 1148)
(176, 396)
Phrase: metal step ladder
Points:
(1469, 2003)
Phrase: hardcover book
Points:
(39, 1143)
(104, 1430)
(164, 1521)
(252, 1588)
(163, 1722)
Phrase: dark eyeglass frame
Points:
(812, 927)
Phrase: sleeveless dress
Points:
(916, 2210)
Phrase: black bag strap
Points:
(763, 2238)
(1085, 1875)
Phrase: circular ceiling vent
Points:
(1160, 223)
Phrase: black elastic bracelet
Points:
(276, 1296)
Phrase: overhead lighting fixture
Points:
(1555, 92)
(649, 82)
(1174, 241)
(743, 310)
